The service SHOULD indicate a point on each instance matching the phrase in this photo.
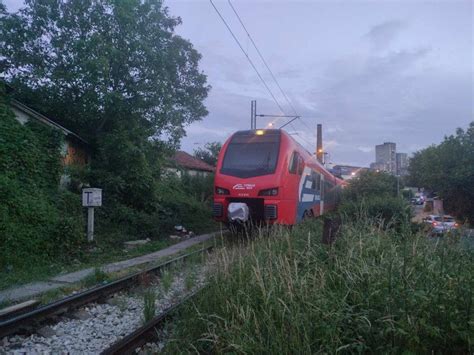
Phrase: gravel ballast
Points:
(107, 323)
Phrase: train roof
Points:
(275, 131)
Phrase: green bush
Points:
(407, 194)
(373, 196)
(373, 291)
(387, 210)
(371, 184)
(174, 202)
(35, 228)
(186, 202)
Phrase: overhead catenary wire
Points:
(247, 56)
(262, 58)
(267, 66)
(256, 70)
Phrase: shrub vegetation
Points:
(373, 195)
(375, 290)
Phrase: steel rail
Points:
(32, 319)
(147, 332)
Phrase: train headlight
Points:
(269, 192)
(222, 191)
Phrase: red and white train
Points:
(265, 175)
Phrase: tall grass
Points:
(374, 290)
(149, 306)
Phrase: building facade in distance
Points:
(388, 160)
(402, 163)
(385, 157)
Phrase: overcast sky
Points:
(370, 72)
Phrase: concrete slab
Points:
(37, 288)
(27, 291)
(73, 276)
(173, 249)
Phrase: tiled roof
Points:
(187, 161)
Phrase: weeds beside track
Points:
(374, 290)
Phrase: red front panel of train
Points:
(251, 169)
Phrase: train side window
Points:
(293, 168)
(316, 181)
(300, 164)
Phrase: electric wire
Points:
(266, 65)
(262, 58)
(247, 56)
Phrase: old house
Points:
(74, 149)
(182, 162)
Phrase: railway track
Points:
(32, 320)
(148, 332)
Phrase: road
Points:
(467, 237)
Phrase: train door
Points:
(293, 183)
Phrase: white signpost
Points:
(91, 197)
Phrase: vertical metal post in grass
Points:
(90, 224)
(331, 227)
(91, 197)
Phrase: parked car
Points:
(417, 200)
(440, 224)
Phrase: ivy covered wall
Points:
(38, 223)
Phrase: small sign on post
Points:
(91, 197)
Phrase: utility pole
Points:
(253, 116)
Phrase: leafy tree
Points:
(102, 65)
(115, 72)
(448, 170)
(371, 184)
(209, 153)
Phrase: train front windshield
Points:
(252, 154)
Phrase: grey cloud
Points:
(383, 34)
(384, 100)
(289, 73)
